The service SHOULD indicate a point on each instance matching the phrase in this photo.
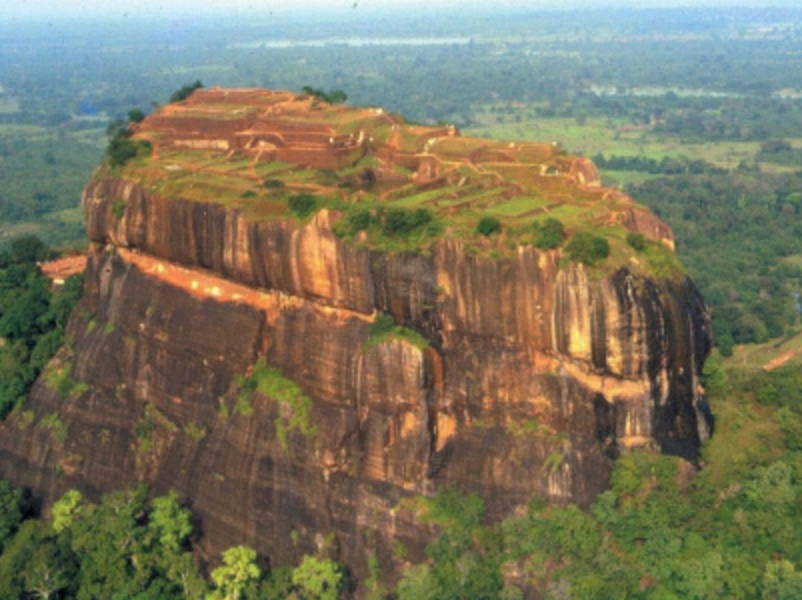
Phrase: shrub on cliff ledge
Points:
(401, 222)
(273, 184)
(294, 414)
(391, 229)
(587, 248)
(488, 226)
(356, 219)
(185, 91)
(549, 234)
(135, 115)
(360, 219)
(120, 151)
(121, 147)
(382, 325)
(384, 328)
(332, 97)
(636, 241)
(302, 205)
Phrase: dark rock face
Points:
(534, 378)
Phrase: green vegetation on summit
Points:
(393, 185)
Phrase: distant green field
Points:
(608, 137)
(783, 351)
(621, 179)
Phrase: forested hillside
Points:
(32, 318)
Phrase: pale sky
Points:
(150, 8)
(154, 7)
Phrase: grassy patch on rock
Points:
(294, 405)
(384, 329)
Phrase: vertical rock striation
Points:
(231, 353)
(532, 377)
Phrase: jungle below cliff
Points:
(660, 531)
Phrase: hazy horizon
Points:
(145, 9)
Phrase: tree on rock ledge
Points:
(587, 248)
(332, 97)
(185, 91)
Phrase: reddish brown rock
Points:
(527, 376)
(526, 360)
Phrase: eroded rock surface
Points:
(528, 376)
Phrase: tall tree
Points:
(238, 571)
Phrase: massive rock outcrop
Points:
(230, 358)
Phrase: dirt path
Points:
(781, 360)
(198, 283)
(204, 285)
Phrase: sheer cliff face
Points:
(534, 377)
